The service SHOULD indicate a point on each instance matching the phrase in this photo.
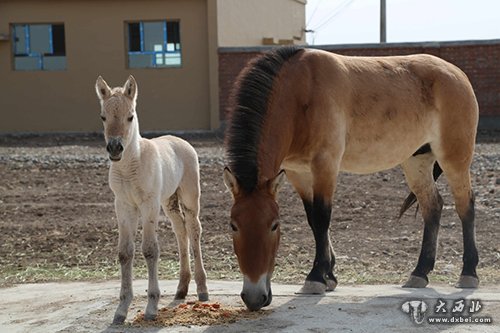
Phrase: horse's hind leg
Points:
(454, 154)
(459, 181)
(418, 173)
(174, 213)
(127, 227)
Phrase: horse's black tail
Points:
(411, 198)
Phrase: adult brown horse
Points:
(311, 114)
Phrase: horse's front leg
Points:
(150, 213)
(321, 277)
(316, 190)
(330, 279)
(127, 226)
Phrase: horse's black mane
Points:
(250, 100)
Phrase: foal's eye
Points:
(103, 118)
(275, 226)
(233, 227)
(130, 118)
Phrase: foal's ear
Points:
(102, 89)
(275, 184)
(130, 88)
(231, 182)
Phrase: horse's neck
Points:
(274, 145)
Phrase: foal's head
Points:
(256, 236)
(118, 115)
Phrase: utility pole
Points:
(383, 25)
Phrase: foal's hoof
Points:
(467, 281)
(416, 282)
(203, 297)
(150, 316)
(119, 319)
(312, 288)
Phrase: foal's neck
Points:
(132, 151)
(134, 146)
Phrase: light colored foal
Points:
(144, 176)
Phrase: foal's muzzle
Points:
(115, 149)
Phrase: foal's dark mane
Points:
(247, 115)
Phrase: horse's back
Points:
(378, 111)
(424, 82)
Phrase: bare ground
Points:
(57, 220)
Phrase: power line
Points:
(314, 12)
(336, 12)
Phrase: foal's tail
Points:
(411, 198)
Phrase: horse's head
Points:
(256, 236)
(118, 115)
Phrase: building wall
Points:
(169, 98)
(245, 23)
(478, 59)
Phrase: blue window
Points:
(154, 44)
(39, 47)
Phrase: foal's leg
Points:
(127, 227)
(190, 204)
(172, 210)
(150, 213)
(418, 173)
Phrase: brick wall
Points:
(480, 60)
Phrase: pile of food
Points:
(197, 313)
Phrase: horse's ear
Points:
(275, 184)
(130, 88)
(102, 89)
(231, 182)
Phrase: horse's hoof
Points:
(312, 288)
(180, 295)
(416, 282)
(119, 319)
(331, 285)
(467, 281)
(203, 297)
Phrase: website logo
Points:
(460, 311)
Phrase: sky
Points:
(358, 21)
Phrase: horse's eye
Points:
(275, 226)
(130, 118)
(233, 227)
(103, 118)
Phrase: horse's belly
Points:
(373, 159)
(362, 167)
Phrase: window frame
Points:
(29, 54)
(152, 53)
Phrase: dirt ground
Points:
(57, 219)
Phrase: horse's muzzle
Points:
(257, 295)
(115, 149)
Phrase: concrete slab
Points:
(89, 307)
